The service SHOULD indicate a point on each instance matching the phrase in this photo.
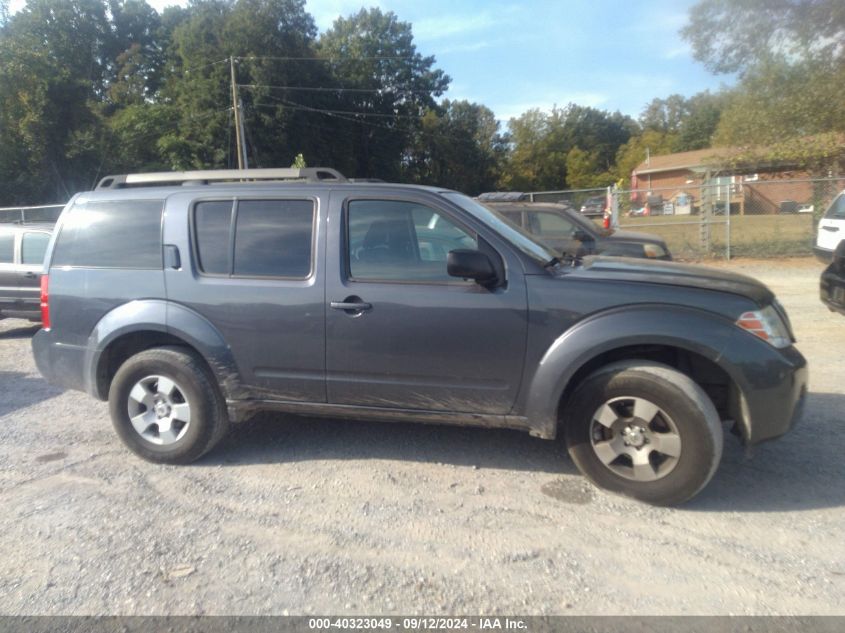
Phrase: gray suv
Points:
(22, 248)
(192, 300)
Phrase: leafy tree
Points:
(373, 58)
(692, 120)
(734, 35)
(542, 142)
(458, 146)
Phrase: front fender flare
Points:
(690, 329)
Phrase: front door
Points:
(402, 333)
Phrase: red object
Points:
(606, 221)
(45, 302)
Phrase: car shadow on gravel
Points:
(25, 330)
(19, 390)
(274, 438)
(803, 470)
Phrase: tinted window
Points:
(213, 222)
(401, 241)
(837, 208)
(33, 247)
(546, 223)
(513, 216)
(113, 234)
(7, 248)
(273, 238)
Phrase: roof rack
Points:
(206, 176)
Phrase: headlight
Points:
(653, 251)
(767, 325)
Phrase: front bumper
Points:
(773, 387)
(59, 363)
(824, 255)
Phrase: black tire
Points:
(209, 420)
(688, 408)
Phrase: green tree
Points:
(735, 35)
(387, 87)
(458, 145)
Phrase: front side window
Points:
(111, 234)
(7, 248)
(837, 208)
(272, 238)
(33, 247)
(401, 241)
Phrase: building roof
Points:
(697, 159)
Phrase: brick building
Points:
(692, 177)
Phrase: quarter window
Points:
(113, 234)
(7, 248)
(401, 241)
(33, 247)
(551, 224)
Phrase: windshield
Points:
(515, 235)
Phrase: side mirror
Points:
(581, 235)
(470, 264)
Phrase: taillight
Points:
(45, 302)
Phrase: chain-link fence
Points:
(733, 216)
(48, 213)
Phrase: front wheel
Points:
(644, 430)
(166, 407)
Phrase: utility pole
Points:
(242, 135)
(237, 110)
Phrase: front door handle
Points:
(351, 305)
(30, 275)
(832, 229)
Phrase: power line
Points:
(322, 89)
(253, 58)
(353, 113)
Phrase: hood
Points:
(634, 236)
(672, 274)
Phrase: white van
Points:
(831, 229)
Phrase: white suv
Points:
(831, 229)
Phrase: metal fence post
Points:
(728, 223)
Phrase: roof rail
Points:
(205, 176)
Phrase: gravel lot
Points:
(298, 516)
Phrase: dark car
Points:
(190, 301)
(559, 226)
(594, 206)
(22, 248)
(833, 281)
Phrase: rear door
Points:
(8, 274)
(33, 246)
(418, 338)
(555, 230)
(253, 272)
(832, 226)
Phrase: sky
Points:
(513, 56)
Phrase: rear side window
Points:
(272, 238)
(113, 234)
(545, 223)
(7, 248)
(33, 247)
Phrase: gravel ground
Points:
(301, 516)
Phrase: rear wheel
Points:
(166, 407)
(644, 430)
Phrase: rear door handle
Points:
(30, 275)
(832, 229)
